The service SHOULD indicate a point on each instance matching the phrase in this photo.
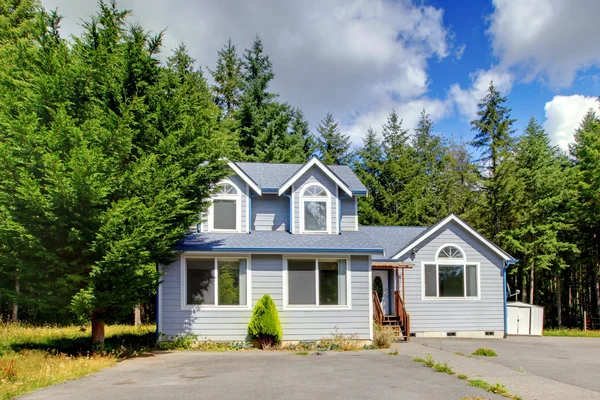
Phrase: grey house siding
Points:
(455, 315)
(315, 175)
(267, 277)
(349, 214)
(270, 213)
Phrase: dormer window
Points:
(225, 213)
(315, 209)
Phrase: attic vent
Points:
(450, 333)
(489, 334)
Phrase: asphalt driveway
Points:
(264, 375)
(574, 361)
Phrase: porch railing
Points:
(404, 316)
(377, 309)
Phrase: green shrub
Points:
(264, 325)
(484, 352)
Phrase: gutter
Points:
(282, 250)
(507, 264)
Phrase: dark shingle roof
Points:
(381, 241)
(273, 175)
(392, 238)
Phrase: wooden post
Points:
(403, 296)
(137, 315)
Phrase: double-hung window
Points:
(317, 282)
(225, 208)
(215, 282)
(315, 209)
(451, 275)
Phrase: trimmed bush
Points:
(264, 325)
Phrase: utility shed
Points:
(525, 319)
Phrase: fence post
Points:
(584, 321)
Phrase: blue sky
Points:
(359, 59)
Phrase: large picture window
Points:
(225, 208)
(315, 205)
(450, 275)
(228, 289)
(317, 282)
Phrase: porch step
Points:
(394, 322)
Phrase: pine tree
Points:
(228, 79)
(538, 240)
(332, 146)
(586, 154)
(368, 166)
(494, 140)
(398, 170)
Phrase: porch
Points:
(388, 297)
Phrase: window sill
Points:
(451, 298)
(216, 308)
(315, 308)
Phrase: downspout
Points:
(291, 221)
(340, 213)
(507, 263)
(156, 306)
(250, 212)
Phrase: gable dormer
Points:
(311, 198)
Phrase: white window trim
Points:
(238, 209)
(326, 199)
(450, 262)
(287, 306)
(216, 306)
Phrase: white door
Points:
(523, 321)
(380, 285)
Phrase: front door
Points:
(380, 285)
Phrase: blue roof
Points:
(381, 242)
(274, 175)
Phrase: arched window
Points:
(450, 253)
(450, 275)
(225, 207)
(315, 208)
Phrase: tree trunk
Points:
(559, 300)
(531, 283)
(15, 306)
(137, 315)
(97, 329)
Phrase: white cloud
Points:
(339, 56)
(467, 99)
(563, 116)
(547, 39)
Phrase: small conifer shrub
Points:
(264, 325)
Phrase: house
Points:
(292, 231)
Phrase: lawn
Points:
(35, 357)
(571, 333)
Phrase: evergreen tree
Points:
(494, 141)
(332, 146)
(538, 240)
(228, 79)
(586, 154)
(398, 170)
(368, 166)
(103, 162)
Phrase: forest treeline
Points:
(107, 154)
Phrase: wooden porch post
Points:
(403, 296)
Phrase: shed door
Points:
(523, 321)
(513, 318)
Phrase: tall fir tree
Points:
(332, 146)
(586, 155)
(539, 238)
(493, 139)
(229, 79)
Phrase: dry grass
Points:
(36, 357)
(383, 336)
